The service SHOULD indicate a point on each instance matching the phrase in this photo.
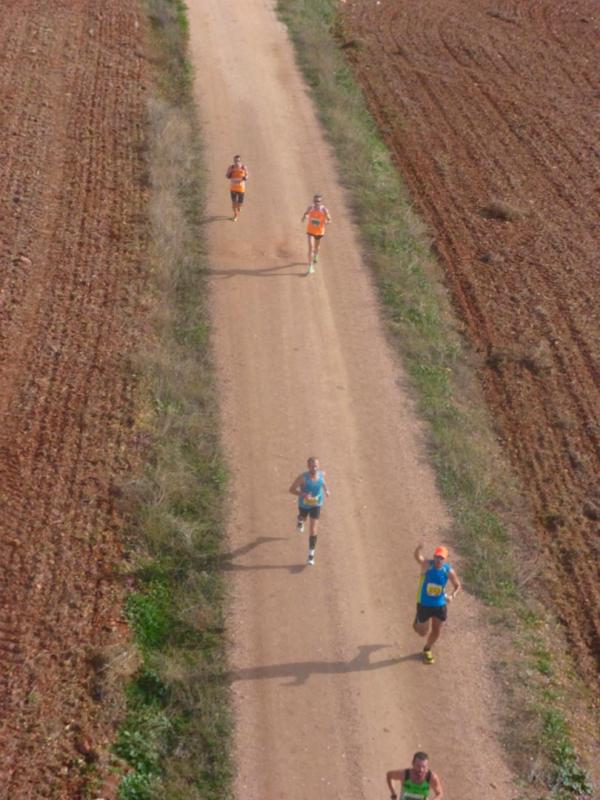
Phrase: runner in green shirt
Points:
(417, 782)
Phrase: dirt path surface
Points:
(70, 188)
(491, 108)
(330, 691)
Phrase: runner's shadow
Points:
(299, 672)
(266, 272)
(214, 218)
(228, 565)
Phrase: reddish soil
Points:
(489, 109)
(71, 194)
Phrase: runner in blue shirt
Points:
(310, 489)
(432, 599)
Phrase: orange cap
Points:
(441, 551)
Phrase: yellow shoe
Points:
(428, 657)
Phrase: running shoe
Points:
(315, 259)
(428, 656)
(311, 558)
(310, 270)
(300, 525)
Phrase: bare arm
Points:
(297, 486)
(454, 580)
(419, 557)
(394, 775)
(305, 215)
(436, 786)
(325, 486)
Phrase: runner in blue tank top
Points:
(432, 599)
(310, 489)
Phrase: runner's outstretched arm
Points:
(419, 554)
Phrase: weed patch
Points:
(175, 736)
(503, 211)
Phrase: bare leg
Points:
(316, 250)
(310, 250)
(422, 628)
(312, 539)
(436, 629)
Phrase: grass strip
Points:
(176, 734)
(476, 485)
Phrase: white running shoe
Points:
(300, 525)
(311, 558)
(310, 270)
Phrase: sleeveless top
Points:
(314, 487)
(236, 177)
(317, 216)
(432, 584)
(415, 791)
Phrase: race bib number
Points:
(315, 222)
(310, 500)
(434, 590)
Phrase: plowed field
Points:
(490, 108)
(70, 197)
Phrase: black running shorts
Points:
(425, 613)
(314, 512)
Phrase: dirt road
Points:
(329, 688)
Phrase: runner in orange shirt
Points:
(237, 175)
(318, 218)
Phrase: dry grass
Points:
(176, 734)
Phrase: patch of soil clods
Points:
(71, 188)
(489, 110)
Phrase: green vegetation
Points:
(175, 736)
(568, 778)
(476, 485)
